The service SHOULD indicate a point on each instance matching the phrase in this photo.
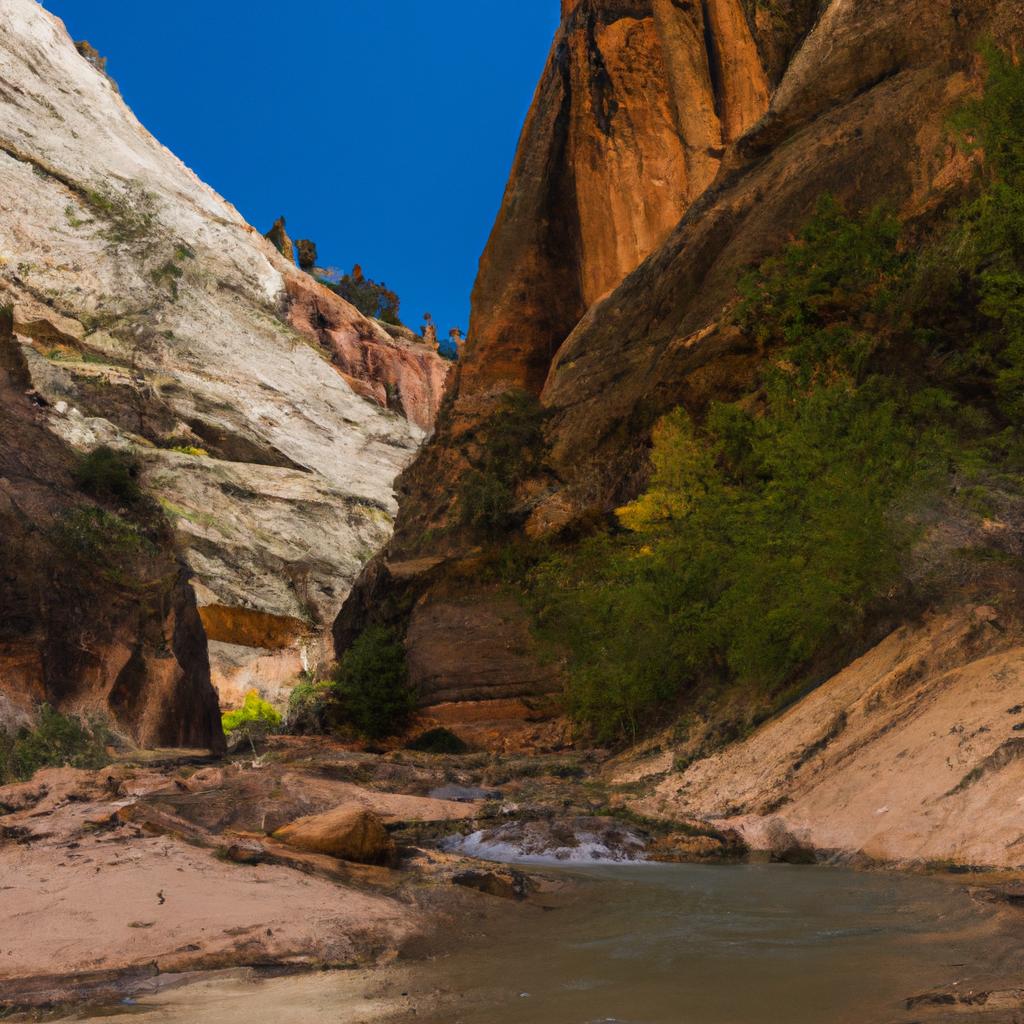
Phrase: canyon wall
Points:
(268, 417)
(669, 148)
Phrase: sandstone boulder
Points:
(349, 832)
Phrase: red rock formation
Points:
(396, 372)
(627, 128)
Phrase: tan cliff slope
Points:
(150, 317)
(912, 755)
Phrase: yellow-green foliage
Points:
(680, 469)
(256, 717)
(188, 449)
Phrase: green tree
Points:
(371, 298)
(373, 684)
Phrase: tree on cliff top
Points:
(371, 298)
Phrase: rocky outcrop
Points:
(860, 113)
(150, 317)
(97, 615)
(628, 127)
(279, 238)
(389, 366)
(911, 755)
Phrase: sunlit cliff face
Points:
(630, 123)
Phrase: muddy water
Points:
(660, 944)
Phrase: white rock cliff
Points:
(154, 318)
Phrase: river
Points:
(658, 944)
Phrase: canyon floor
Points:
(171, 867)
(129, 878)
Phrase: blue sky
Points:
(382, 129)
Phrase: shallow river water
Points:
(663, 944)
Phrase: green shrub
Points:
(373, 684)
(763, 535)
(57, 741)
(991, 242)
(92, 55)
(371, 298)
(511, 448)
(108, 475)
(438, 741)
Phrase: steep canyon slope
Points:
(671, 148)
(268, 418)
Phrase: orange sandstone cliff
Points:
(670, 146)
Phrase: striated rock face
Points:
(148, 316)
